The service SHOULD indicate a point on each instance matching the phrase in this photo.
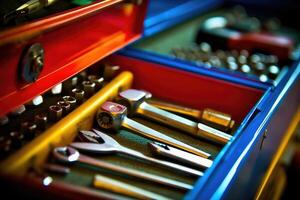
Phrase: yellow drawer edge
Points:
(63, 132)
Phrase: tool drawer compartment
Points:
(30, 164)
(242, 42)
(255, 146)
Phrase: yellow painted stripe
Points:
(287, 136)
(62, 133)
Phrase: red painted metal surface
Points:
(39, 26)
(72, 41)
(184, 87)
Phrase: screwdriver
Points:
(27, 8)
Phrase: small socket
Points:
(245, 68)
(259, 67)
(99, 81)
(273, 71)
(38, 100)
(71, 100)
(110, 71)
(57, 89)
(41, 121)
(28, 129)
(18, 111)
(78, 94)
(5, 147)
(4, 120)
(89, 88)
(16, 139)
(55, 113)
(69, 84)
(66, 107)
(263, 78)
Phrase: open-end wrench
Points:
(177, 154)
(113, 116)
(110, 145)
(70, 155)
(136, 104)
(103, 182)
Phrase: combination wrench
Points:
(71, 155)
(113, 116)
(109, 145)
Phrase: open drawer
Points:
(182, 41)
(242, 102)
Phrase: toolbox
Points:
(75, 44)
(248, 173)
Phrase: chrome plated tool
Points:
(103, 182)
(113, 116)
(110, 145)
(177, 154)
(70, 155)
(217, 119)
(134, 100)
(27, 8)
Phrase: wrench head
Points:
(96, 136)
(66, 154)
(106, 138)
(132, 98)
(89, 136)
(111, 115)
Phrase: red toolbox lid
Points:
(66, 43)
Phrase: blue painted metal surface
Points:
(167, 13)
(218, 180)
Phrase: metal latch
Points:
(263, 139)
(32, 63)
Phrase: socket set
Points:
(230, 39)
(242, 43)
(265, 67)
(26, 122)
(128, 130)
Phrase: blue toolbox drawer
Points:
(242, 163)
(198, 37)
(243, 167)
